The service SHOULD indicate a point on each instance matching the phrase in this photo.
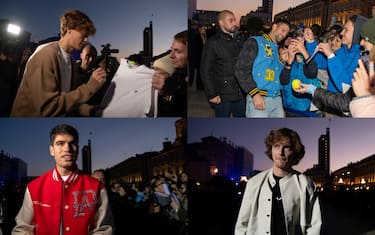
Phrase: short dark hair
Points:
(282, 21)
(223, 13)
(91, 47)
(295, 142)
(99, 170)
(63, 129)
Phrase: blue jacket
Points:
(267, 67)
(342, 66)
(258, 67)
(293, 100)
(320, 58)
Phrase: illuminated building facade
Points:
(343, 9)
(203, 17)
(218, 157)
(170, 161)
(356, 176)
(308, 13)
(322, 11)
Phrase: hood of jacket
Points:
(357, 29)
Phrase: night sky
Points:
(112, 140)
(118, 22)
(351, 139)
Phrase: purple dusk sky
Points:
(118, 22)
(112, 140)
(351, 139)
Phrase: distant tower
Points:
(148, 44)
(192, 7)
(267, 6)
(181, 131)
(324, 154)
(86, 158)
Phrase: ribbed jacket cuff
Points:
(253, 92)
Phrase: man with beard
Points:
(280, 200)
(219, 56)
(64, 200)
(258, 71)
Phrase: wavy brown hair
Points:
(278, 135)
(74, 19)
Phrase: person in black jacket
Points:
(219, 56)
(172, 98)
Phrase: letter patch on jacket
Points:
(268, 50)
(270, 75)
(84, 200)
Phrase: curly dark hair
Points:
(295, 142)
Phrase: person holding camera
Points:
(343, 62)
(48, 86)
(294, 56)
(339, 102)
(164, 209)
(87, 60)
(363, 105)
(86, 66)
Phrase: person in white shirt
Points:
(280, 200)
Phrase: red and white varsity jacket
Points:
(51, 206)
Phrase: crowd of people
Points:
(290, 70)
(48, 82)
(158, 206)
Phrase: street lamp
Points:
(243, 178)
(213, 170)
(14, 29)
(340, 181)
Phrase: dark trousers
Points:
(227, 108)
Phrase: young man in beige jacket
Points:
(48, 87)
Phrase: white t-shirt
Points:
(130, 93)
(66, 71)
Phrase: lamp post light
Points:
(13, 29)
